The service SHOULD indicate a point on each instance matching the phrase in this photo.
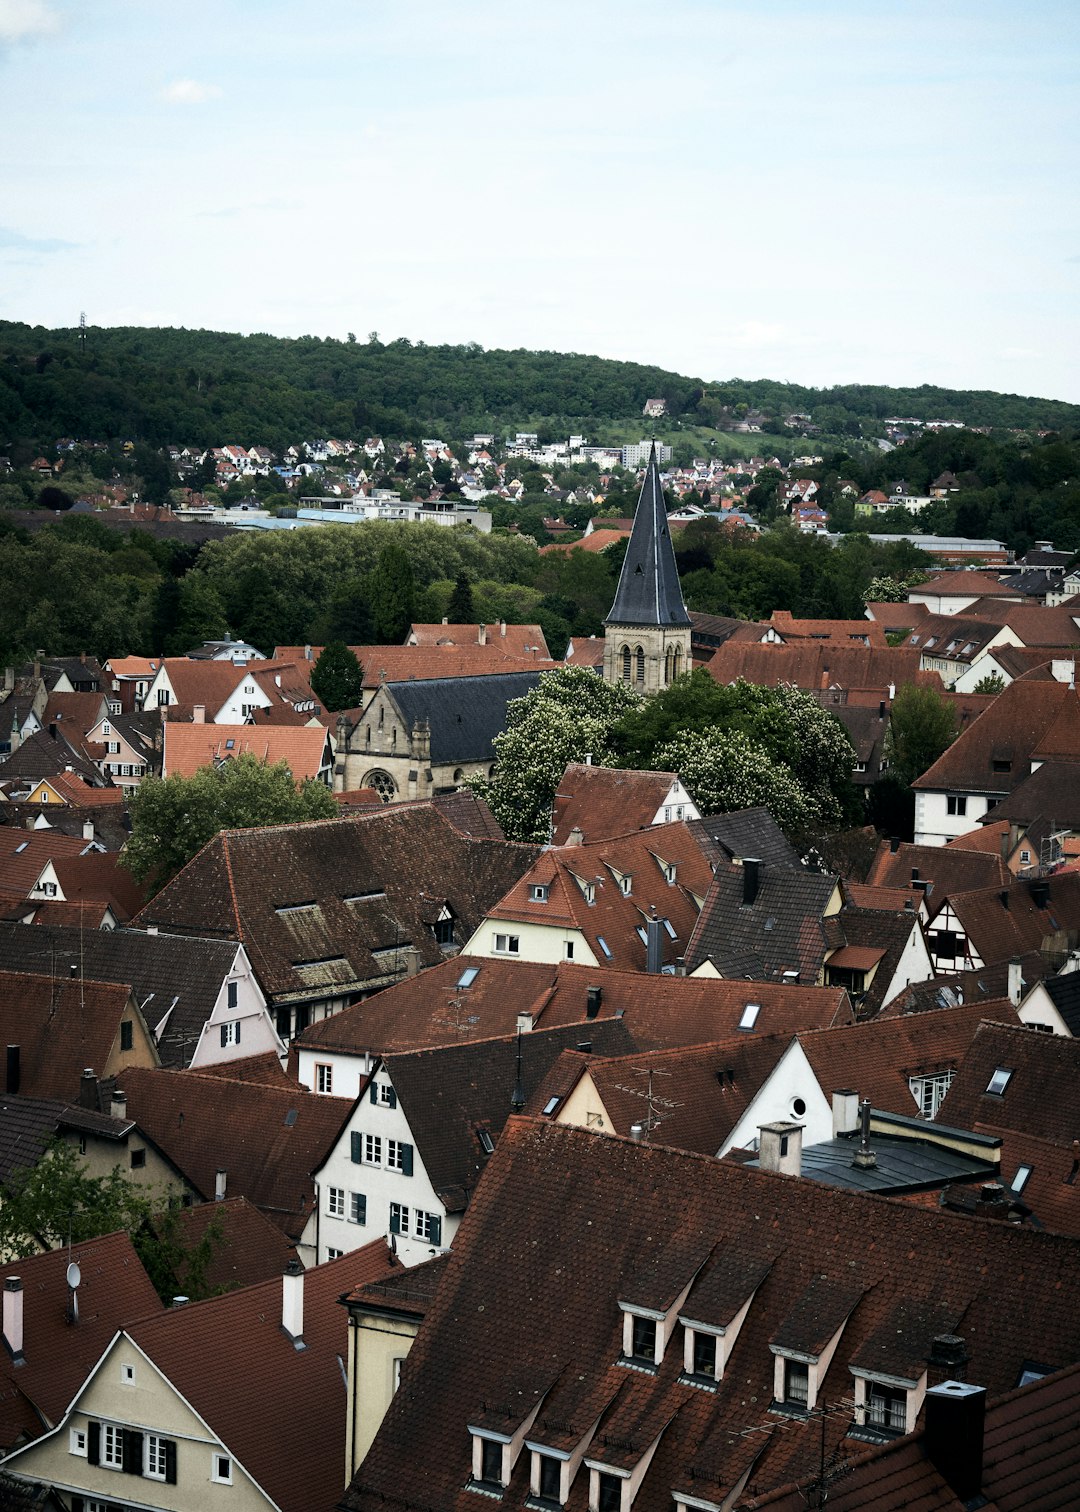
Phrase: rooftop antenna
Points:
(74, 1276)
(653, 1120)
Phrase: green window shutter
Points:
(356, 1147)
(406, 1159)
(361, 1207)
(133, 1455)
(435, 1230)
(170, 1462)
(393, 1098)
(93, 1443)
(224, 1035)
(395, 1222)
(374, 1093)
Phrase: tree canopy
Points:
(337, 678)
(172, 818)
(922, 725)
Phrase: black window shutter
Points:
(395, 1222)
(435, 1229)
(224, 1035)
(392, 1095)
(374, 1093)
(356, 1147)
(238, 1031)
(406, 1159)
(93, 1443)
(133, 1459)
(361, 1207)
(170, 1462)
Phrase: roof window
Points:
(1020, 1180)
(538, 892)
(550, 1106)
(467, 977)
(487, 1144)
(999, 1081)
(604, 946)
(749, 1015)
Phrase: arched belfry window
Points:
(640, 667)
(626, 664)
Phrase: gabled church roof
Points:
(649, 591)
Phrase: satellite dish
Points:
(74, 1275)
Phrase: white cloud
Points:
(187, 91)
(22, 19)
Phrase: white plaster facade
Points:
(239, 1024)
(942, 815)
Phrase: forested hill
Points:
(207, 387)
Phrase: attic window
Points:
(1001, 764)
(669, 926)
(230, 745)
(487, 1144)
(364, 897)
(467, 977)
(999, 1081)
(550, 1106)
(20, 848)
(749, 1015)
(538, 892)
(1020, 1180)
(604, 946)
(287, 908)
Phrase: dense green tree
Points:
(172, 818)
(461, 610)
(922, 725)
(337, 678)
(200, 615)
(393, 595)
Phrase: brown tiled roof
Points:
(43, 755)
(985, 985)
(528, 1316)
(661, 1011)
(61, 1028)
(783, 929)
(1010, 731)
(842, 632)
(1049, 627)
(614, 914)
(191, 746)
(75, 713)
(513, 640)
(24, 855)
(605, 801)
(1004, 922)
(963, 582)
(264, 1069)
(873, 895)
(945, 869)
(1051, 792)
(74, 790)
(406, 1289)
(98, 877)
(1031, 1463)
(422, 663)
(255, 1361)
(250, 1248)
(59, 1356)
(885, 937)
(284, 892)
(267, 1138)
(813, 665)
(1041, 1096)
(897, 616)
(876, 1059)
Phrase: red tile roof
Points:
(191, 746)
(942, 869)
(248, 1248)
(1041, 1096)
(814, 665)
(605, 801)
(229, 1357)
(1010, 731)
(62, 1026)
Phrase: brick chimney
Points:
(198, 714)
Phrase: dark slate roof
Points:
(782, 929)
(464, 714)
(181, 973)
(1064, 993)
(527, 1317)
(903, 1165)
(1050, 792)
(749, 832)
(27, 1124)
(649, 591)
(43, 755)
(448, 1093)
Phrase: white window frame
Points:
(324, 1077)
(77, 1442)
(216, 1461)
(402, 1211)
(929, 1091)
(395, 1159)
(335, 1202)
(507, 944)
(112, 1446)
(154, 1457)
(372, 1150)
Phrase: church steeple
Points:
(647, 631)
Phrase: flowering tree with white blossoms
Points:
(568, 715)
(724, 770)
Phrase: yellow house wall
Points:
(375, 1343)
(143, 1051)
(537, 942)
(151, 1405)
(584, 1108)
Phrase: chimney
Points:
(894, 844)
(502, 628)
(481, 634)
(14, 1075)
(198, 714)
(593, 998)
(637, 1133)
(88, 829)
(88, 1090)
(1004, 896)
(948, 1359)
(13, 1318)
(654, 945)
(881, 709)
(220, 1181)
(780, 1148)
(864, 1158)
(751, 879)
(576, 836)
(292, 1303)
(1016, 982)
(52, 732)
(845, 1112)
(412, 961)
(9, 679)
(1005, 847)
(525, 1022)
(307, 653)
(118, 1104)
(955, 1418)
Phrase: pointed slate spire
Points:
(649, 591)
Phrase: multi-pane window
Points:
(886, 1407)
(428, 1226)
(324, 1078)
(357, 1207)
(335, 1201)
(550, 1477)
(704, 1354)
(956, 803)
(928, 1091)
(399, 1218)
(491, 1457)
(643, 1339)
(796, 1383)
(233, 991)
(395, 1155)
(230, 1033)
(155, 1456)
(387, 1098)
(609, 1493)
(372, 1149)
(507, 944)
(112, 1446)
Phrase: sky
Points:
(814, 191)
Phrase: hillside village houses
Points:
(663, 1042)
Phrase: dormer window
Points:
(804, 1345)
(538, 892)
(643, 1339)
(796, 1384)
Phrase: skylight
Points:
(604, 946)
(550, 1106)
(468, 976)
(1020, 1180)
(487, 1144)
(999, 1081)
(749, 1015)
